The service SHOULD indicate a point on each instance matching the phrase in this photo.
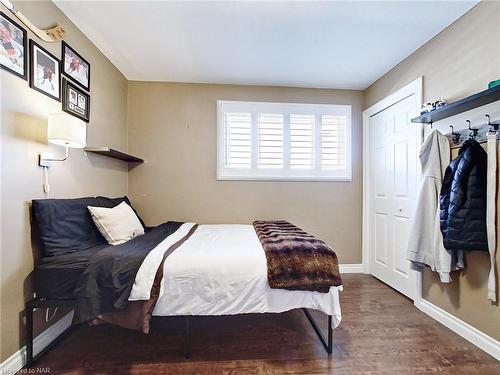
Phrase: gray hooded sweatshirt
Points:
(425, 245)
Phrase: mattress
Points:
(222, 270)
(56, 277)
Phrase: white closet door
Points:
(393, 184)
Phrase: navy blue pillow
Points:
(65, 225)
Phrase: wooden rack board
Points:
(463, 105)
(112, 153)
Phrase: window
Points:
(281, 141)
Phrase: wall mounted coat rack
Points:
(479, 133)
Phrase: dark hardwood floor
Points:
(381, 332)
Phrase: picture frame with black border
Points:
(24, 74)
(75, 101)
(82, 79)
(44, 60)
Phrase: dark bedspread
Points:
(56, 277)
(107, 281)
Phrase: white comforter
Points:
(221, 270)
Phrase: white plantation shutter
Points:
(333, 139)
(301, 141)
(270, 140)
(238, 146)
(281, 141)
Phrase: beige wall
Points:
(458, 62)
(174, 127)
(24, 135)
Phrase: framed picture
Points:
(75, 101)
(75, 66)
(45, 71)
(13, 47)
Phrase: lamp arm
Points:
(44, 161)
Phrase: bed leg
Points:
(329, 349)
(29, 332)
(327, 343)
(187, 338)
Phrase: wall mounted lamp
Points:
(63, 130)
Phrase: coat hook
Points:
(456, 136)
(493, 127)
(473, 132)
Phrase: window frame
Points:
(286, 173)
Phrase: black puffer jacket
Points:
(463, 200)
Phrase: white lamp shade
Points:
(66, 130)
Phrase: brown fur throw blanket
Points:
(296, 260)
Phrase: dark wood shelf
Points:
(463, 105)
(112, 153)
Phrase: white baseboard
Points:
(468, 332)
(351, 268)
(17, 360)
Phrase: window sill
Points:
(284, 179)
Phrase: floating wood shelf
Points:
(463, 105)
(112, 153)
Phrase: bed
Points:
(205, 270)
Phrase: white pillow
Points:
(118, 224)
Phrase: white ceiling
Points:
(304, 44)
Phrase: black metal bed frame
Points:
(37, 303)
